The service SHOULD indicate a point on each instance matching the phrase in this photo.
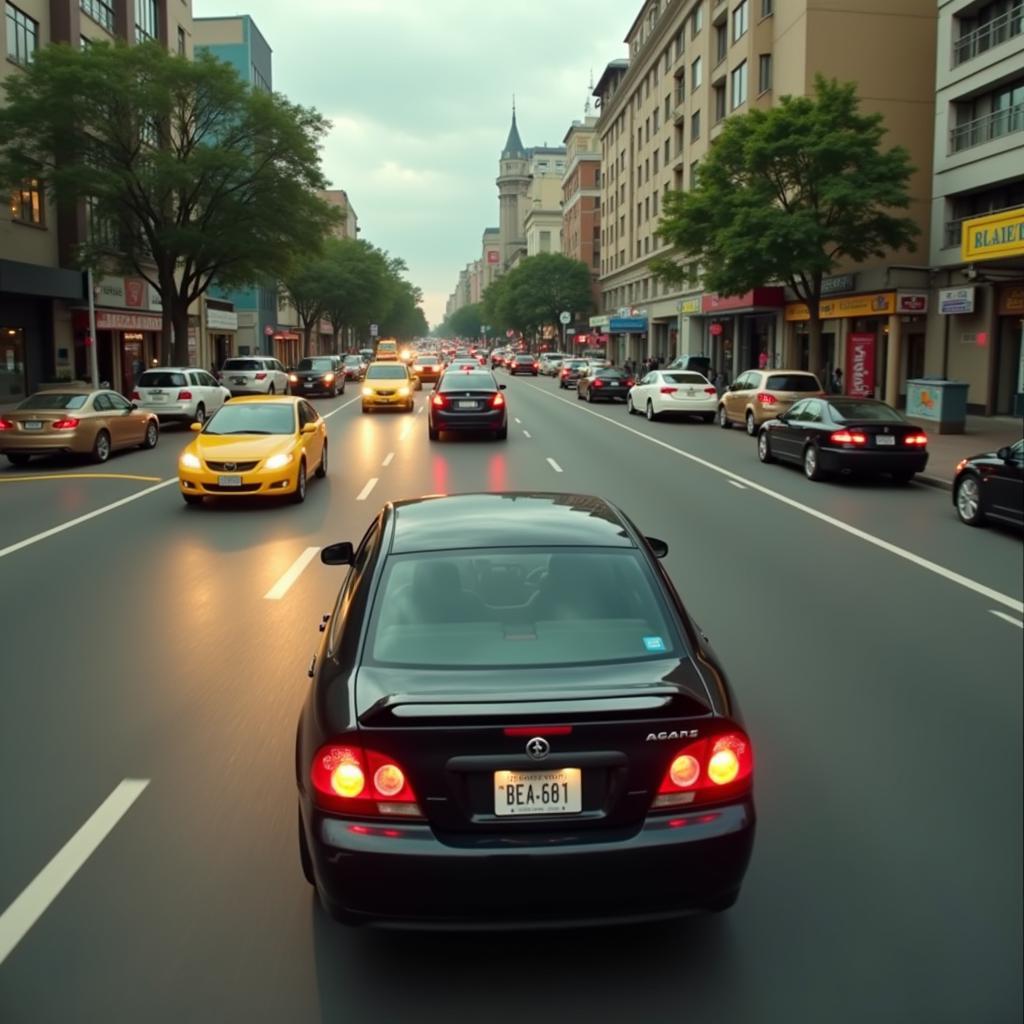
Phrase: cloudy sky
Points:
(420, 92)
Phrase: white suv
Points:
(181, 393)
(254, 375)
(551, 362)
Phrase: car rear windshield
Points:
(463, 381)
(352, 360)
(386, 373)
(793, 382)
(605, 374)
(427, 357)
(252, 418)
(846, 409)
(316, 365)
(161, 379)
(387, 346)
(685, 378)
(242, 364)
(518, 607)
(576, 364)
(54, 401)
(524, 359)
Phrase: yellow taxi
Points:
(388, 386)
(258, 445)
(387, 350)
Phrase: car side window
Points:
(367, 546)
(812, 412)
(196, 379)
(209, 381)
(797, 413)
(101, 403)
(742, 382)
(311, 414)
(118, 403)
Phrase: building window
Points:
(720, 111)
(739, 85)
(146, 16)
(655, 158)
(545, 241)
(27, 203)
(694, 170)
(84, 42)
(986, 27)
(696, 75)
(655, 204)
(721, 42)
(695, 125)
(99, 229)
(668, 151)
(767, 7)
(764, 72)
(988, 117)
(22, 35)
(740, 20)
(181, 42)
(680, 43)
(656, 116)
(696, 20)
(100, 11)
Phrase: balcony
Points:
(985, 129)
(679, 112)
(953, 229)
(992, 33)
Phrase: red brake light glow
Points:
(261, 376)
(765, 398)
(710, 391)
(598, 383)
(848, 437)
(916, 439)
(538, 730)
(68, 423)
(134, 396)
(438, 400)
(350, 780)
(630, 382)
(498, 400)
(184, 396)
(706, 770)
(6, 424)
(668, 391)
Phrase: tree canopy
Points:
(185, 173)
(465, 322)
(534, 293)
(786, 195)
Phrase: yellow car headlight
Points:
(279, 460)
(368, 391)
(293, 378)
(328, 377)
(190, 461)
(403, 391)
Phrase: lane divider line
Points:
(53, 531)
(736, 483)
(420, 409)
(1007, 618)
(526, 433)
(365, 492)
(554, 465)
(518, 421)
(869, 538)
(27, 908)
(283, 585)
(344, 405)
(388, 459)
(80, 476)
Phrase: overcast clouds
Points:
(419, 92)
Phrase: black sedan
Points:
(467, 400)
(845, 435)
(991, 486)
(569, 372)
(515, 722)
(317, 375)
(523, 362)
(353, 366)
(605, 384)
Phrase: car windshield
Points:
(161, 379)
(684, 378)
(243, 364)
(517, 608)
(610, 374)
(252, 418)
(321, 365)
(386, 373)
(467, 382)
(53, 400)
(427, 357)
(576, 364)
(353, 360)
(524, 359)
(845, 409)
(792, 382)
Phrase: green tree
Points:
(787, 194)
(186, 174)
(466, 322)
(534, 294)
(306, 284)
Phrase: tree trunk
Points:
(179, 318)
(334, 336)
(815, 360)
(307, 332)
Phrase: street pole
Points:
(563, 337)
(94, 363)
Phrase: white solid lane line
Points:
(283, 585)
(554, 465)
(11, 548)
(23, 913)
(736, 483)
(365, 492)
(1007, 618)
(518, 421)
(388, 459)
(420, 409)
(892, 549)
(344, 405)
(526, 433)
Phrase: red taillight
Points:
(710, 391)
(352, 780)
(597, 383)
(438, 400)
(916, 439)
(261, 376)
(134, 396)
(498, 400)
(765, 399)
(6, 424)
(848, 437)
(565, 372)
(539, 730)
(68, 423)
(716, 768)
(184, 396)
(630, 382)
(668, 391)
(536, 366)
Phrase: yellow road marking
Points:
(78, 476)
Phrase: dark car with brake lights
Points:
(569, 372)
(605, 384)
(524, 362)
(845, 435)
(318, 375)
(467, 401)
(991, 486)
(514, 722)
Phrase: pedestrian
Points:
(762, 360)
(837, 381)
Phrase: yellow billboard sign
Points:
(876, 304)
(994, 236)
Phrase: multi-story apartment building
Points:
(977, 231)
(692, 63)
(43, 318)
(348, 226)
(581, 198)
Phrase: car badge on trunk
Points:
(538, 748)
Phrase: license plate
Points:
(33, 424)
(883, 439)
(229, 481)
(465, 405)
(558, 791)
(307, 384)
(239, 380)
(156, 398)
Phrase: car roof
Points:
(387, 362)
(506, 519)
(260, 399)
(180, 369)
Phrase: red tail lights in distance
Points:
(765, 398)
(916, 440)
(351, 780)
(848, 437)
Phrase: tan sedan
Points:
(761, 395)
(79, 421)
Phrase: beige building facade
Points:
(348, 226)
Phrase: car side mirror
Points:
(658, 547)
(341, 553)
(1005, 453)
(134, 406)
(309, 428)
(502, 387)
(196, 427)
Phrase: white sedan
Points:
(182, 393)
(674, 391)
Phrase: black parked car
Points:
(523, 362)
(469, 400)
(514, 721)
(991, 486)
(318, 375)
(605, 384)
(845, 435)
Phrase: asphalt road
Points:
(858, 623)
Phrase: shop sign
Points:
(690, 306)
(492, 256)
(860, 364)
(221, 320)
(326, 328)
(1011, 300)
(912, 302)
(771, 297)
(107, 321)
(994, 236)
(628, 324)
(715, 329)
(876, 304)
(600, 321)
(956, 300)
(838, 283)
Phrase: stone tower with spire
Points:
(513, 185)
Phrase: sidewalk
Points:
(982, 434)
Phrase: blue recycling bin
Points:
(939, 404)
